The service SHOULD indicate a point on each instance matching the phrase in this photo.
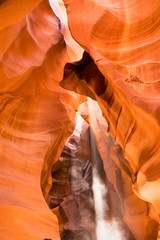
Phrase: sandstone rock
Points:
(120, 71)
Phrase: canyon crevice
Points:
(79, 120)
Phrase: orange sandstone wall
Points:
(120, 71)
(36, 115)
(122, 39)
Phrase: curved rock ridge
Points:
(36, 116)
(119, 71)
(12, 11)
(123, 39)
(139, 141)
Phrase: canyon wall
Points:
(41, 43)
(37, 115)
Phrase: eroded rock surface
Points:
(119, 70)
(71, 197)
(36, 116)
(126, 124)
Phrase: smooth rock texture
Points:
(36, 116)
(122, 37)
(42, 162)
(139, 142)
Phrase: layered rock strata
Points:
(120, 70)
(126, 124)
(36, 115)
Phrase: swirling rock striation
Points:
(36, 116)
(120, 70)
(126, 124)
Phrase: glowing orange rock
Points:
(37, 115)
(122, 37)
(36, 118)
(139, 141)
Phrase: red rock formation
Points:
(36, 118)
(120, 70)
(126, 124)
(125, 51)
(122, 38)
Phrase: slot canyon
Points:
(80, 120)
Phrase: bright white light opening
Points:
(104, 230)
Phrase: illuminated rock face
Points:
(123, 45)
(37, 116)
(126, 124)
(122, 37)
(120, 71)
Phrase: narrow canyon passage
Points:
(90, 196)
(79, 120)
